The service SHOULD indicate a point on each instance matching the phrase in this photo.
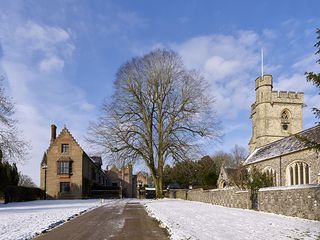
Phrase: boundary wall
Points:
(301, 201)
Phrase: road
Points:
(125, 220)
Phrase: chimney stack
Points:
(53, 133)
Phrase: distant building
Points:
(67, 171)
(130, 184)
(141, 180)
(278, 145)
(225, 177)
(121, 178)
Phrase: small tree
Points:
(208, 172)
(185, 173)
(9, 176)
(198, 173)
(240, 177)
(253, 179)
(258, 179)
(159, 111)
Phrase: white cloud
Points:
(219, 68)
(51, 63)
(33, 60)
(230, 63)
(307, 63)
(269, 33)
(121, 22)
(295, 82)
(30, 42)
(44, 36)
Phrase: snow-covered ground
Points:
(26, 219)
(184, 220)
(195, 220)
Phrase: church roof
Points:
(302, 140)
(230, 171)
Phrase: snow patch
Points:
(196, 220)
(26, 220)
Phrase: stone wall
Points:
(297, 201)
(224, 197)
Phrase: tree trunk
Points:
(158, 186)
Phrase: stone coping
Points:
(306, 186)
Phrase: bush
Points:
(20, 194)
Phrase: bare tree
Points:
(238, 155)
(159, 111)
(12, 147)
(26, 181)
(221, 158)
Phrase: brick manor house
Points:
(68, 172)
(278, 145)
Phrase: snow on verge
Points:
(196, 220)
(25, 220)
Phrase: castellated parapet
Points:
(274, 114)
(266, 80)
(283, 96)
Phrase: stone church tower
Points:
(274, 114)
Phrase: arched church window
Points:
(285, 120)
(307, 173)
(271, 174)
(298, 173)
(301, 168)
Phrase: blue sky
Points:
(60, 57)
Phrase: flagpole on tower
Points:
(261, 62)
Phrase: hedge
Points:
(20, 194)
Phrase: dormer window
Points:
(64, 148)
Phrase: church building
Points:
(278, 145)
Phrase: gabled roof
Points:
(225, 171)
(230, 171)
(65, 130)
(97, 160)
(302, 140)
(44, 159)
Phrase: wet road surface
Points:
(123, 220)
